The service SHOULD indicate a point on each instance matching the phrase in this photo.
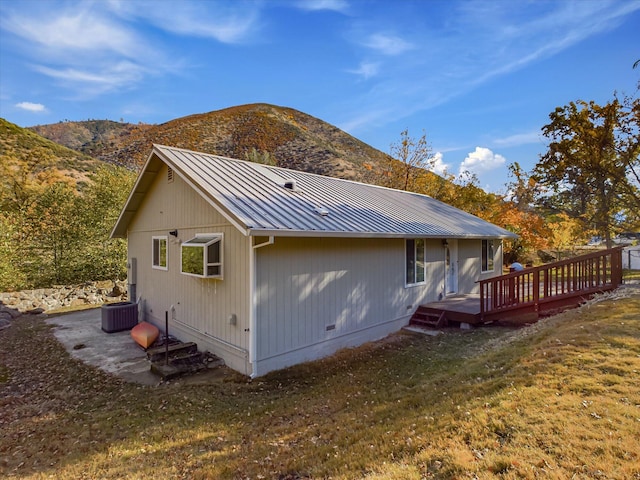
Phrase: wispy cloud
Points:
(226, 22)
(92, 48)
(481, 160)
(65, 34)
(341, 6)
(480, 42)
(518, 139)
(32, 107)
(387, 44)
(367, 69)
(98, 80)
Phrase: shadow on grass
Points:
(351, 415)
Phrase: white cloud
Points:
(437, 165)
(519, 139)
(481, 160)
(31, 107)
(367, 69)
(65, 34)
(315, 5)
(97, 80)
(226, 22)
(387, 44)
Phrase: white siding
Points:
(469, 264)
(305, 285)
(202, 306)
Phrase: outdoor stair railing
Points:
(552, 284)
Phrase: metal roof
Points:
(255, 199)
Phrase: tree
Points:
(565, 233)
(591, 170)
(101, 257)
(409, 158)
(52, 236)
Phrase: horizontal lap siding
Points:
(202, 306)
(305, 285)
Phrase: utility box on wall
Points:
(132, 274)
(120, 316)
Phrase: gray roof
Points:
(254, 198)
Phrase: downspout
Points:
(253, 295)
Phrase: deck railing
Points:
(532, 289)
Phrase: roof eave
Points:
(260, 232)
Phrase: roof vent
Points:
(291, 185)
(323, 212)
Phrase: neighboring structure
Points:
(268, 267)
(631, 258)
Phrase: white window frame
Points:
(204, 241)
(416, 262)
(159, 238)
(484, 253)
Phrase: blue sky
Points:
(479, 78)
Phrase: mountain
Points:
(89, 137)
(286, 136)
(22, 149)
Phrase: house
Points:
(268, 267)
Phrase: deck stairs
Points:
(427, 317)
(179, 358)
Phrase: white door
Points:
(451, 267)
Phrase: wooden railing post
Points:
(482, 299)
(536, 288)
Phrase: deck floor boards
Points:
(469, 303)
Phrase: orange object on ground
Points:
(145, 334)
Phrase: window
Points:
(159, 249)
(202, 256)
(488, 251)
(415, 264)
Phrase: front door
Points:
(451, 267)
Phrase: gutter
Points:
(253, 308)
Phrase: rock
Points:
(35, 311)
(116, 292)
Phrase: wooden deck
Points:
(524, 296)
(456, 308)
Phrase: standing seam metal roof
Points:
(255, 196)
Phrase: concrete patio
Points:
(82, 336)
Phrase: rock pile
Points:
(45, 299)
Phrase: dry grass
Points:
(560, 399)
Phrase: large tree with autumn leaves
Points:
(591, 171)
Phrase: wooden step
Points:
(429, 318)
(157, 354)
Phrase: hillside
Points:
(90, 137)
(20, 147)
(291, 138)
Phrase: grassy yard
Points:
(560, 399)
